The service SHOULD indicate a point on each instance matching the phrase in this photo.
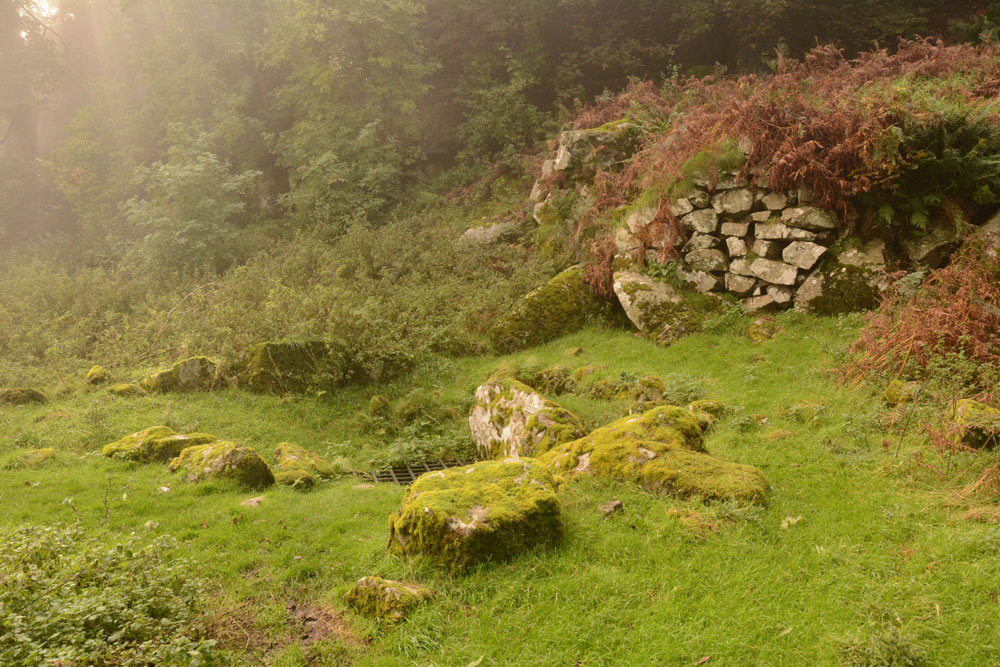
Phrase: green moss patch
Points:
(297, 479)
(976, 424)
(374, 597)
(488, 511)
(156, 444)
(127, 390)
(20, 396)
(97, 375)
(224, 460)
(290, 458)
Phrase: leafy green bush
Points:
(70, 599)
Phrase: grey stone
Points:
(735, 228)
(537, 191)
(563, 158)
(766, 249)
(802, 254)
(777, 231)
(740, 267)
(775, 201)
(990, 236)
(933, 247)
(624, 241)
(737, 247)
(699, 198)
(808, 217)
(804, 195)
(512, 419)
(611, 507)
(706, 260)
(701, 242)
(781, 295)
(869, 256)
(812, 288)
(764, 216)
(733, 202)
(776, 273)
(499, 231)
(548, 168)
(740, 285)
(759, 304)
(654, 307)
(639, 218)
(705, 221)
(699, 280)
(681, 207)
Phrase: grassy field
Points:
(861, 557)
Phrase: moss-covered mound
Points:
(706, 413)
(97, 375)
(976, 424)
(156, 444)
(293, 366)
(511, 419)
(127, 390)
(487, 511)
(31, 458)
(374, 597)
(302, 480)
(225, 460)
(898, 392)
(559, 307)
(289, 457)
(20, 396)
(663, 451)
(194, 374)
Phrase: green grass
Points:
(877, 569)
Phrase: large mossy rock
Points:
(656, 309)
(488, 511)
(847, 280)
(156, 444)
(976, 424)
(375, 597)
(97, 375)
(194, 374)
(291, 458)
(224, 460)
(293, 366)
(662, 450)
(512, 419)
(20, 396)
(559, 307)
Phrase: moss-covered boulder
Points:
(224, 460)
(97, 375)
(156, 444)
(706, 413)
(301, 480)
(30, 458)
(289, 458)
(656, 309)
(374, 597)
(127, 390)
(662, 450)
(559, 307)
(512, 419)
(761, 329)
(194, 374)
(898, 392)
(488, 511)
(20, 396)
(293, 366)
(976, 424)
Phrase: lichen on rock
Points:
(224, 460)
(898, 392)
(194, 374)
(656, 309)
(378, 598)
(489, 511)
(301, 480)
(289, 457)
(510, 418)
(976, 424)
(20, 396)
(662, 450)
(154, 444)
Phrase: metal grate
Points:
(405, 474)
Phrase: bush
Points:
(69, 599)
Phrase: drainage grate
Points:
(405, 474)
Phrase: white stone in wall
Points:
(775, 201)
(737, 247)
(705, 221)
(808, 217)
(776, 273)
(765, 216)
(781, 295)
(803, 254)
(766, 249)
(740, 267)
(699, 280)
(699, 199)
(759, 304)
(735, 228)
(733, 202)
(777, 231)
(537, 191)
(870, 256)
(639, 218)
(701, 242)
(706, 260)
(810, 289)
(681, 207)
(740, 285)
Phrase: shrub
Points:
(70, 599)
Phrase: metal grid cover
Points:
(405, 474)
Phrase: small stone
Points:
(20, 396)
(759, 304)
(705, 221)
(706, 260)
(735, 228)
(773, 272)
(761, 329)
(740, 267)
(563, 159)
(733, 202)
(811, 289)
(775, 201)
(766, 249)
(612, 507)
(808, 217)
(681, 207)
(509, 418)
(97, 375)
(364, 485)
(573, 352)
(253, 502)
(777, 231)
(899, 392)
(127, 390)
(740, 285)
(764, 216)
(639, 219)
(699, 280)
(699, 198)
(737, 247)
(933, 247)
(374, 597)
(870, 256)
(781, 295)
(803, 254)
(537, 191)
(701, 242)
(803, 195)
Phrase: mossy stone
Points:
(293, 366)
(489, 511)
(224, 460)
(559, 307)
(20, 396)
(156, 444)
(761, 329)
(976, 424)
(378, 598)
(127, 390)
(379, 408)
(194, 374)
(289, 457)
(302, 480)
(662, 450)
(899, 392)
(97, 375)
(846, 289)
(31, 458)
